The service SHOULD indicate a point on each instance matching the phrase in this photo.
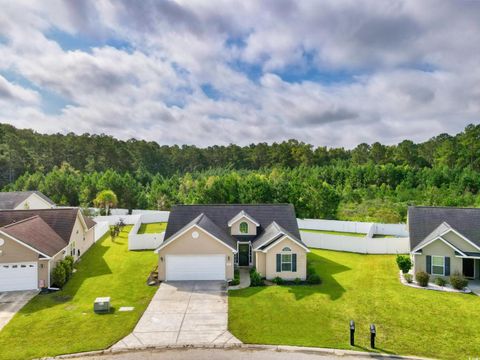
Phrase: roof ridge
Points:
(42, 210)
(21, 221)
(443, 207)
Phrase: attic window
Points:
(286, 249)
(244, 227)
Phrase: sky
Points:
(330, 73)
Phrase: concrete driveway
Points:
(11, 302)
(183, 313)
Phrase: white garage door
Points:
(195, 267)
(18, 276)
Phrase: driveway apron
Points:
(11, 302)
(183, 313)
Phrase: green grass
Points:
(364, 288)
(335, 232)
(64, 322)
(152, 228)
(383, 236)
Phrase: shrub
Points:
(408, 278)
(314, 279)
(458, 281)
(59, 276)
(440, 281)
(67, 267)
(253, 269)
(70, 261)
(255, 279)
(236, 278)
(278, 280)
(310, 270)
(422, 278)
(297, 281)
(404, 263)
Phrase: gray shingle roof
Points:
(423, 220)
(219, 215)
(11, 199)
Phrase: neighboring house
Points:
(24, 200)
(205, 242)
(33, 241)
(445, 240)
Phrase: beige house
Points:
(206, 242)
(24, 200)
(445, 240)
(33, 241)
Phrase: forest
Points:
(371, 182)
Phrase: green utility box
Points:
(101, 305)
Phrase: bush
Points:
(310, 270)
(404, 263)
(458, 281)
(70, 261)
(422, 278)
(255, 279)
(67, 267)
(314, 279)
(440, 281)
(278, 280)
(408, 278)
(236, 278)
(59, 276)
(297, 281)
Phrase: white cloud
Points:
(412, 69)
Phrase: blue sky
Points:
(331, 72)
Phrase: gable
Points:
(285, 241)
(13, 251)
(34, 201)
(459, 242)
(235, 227)
(186, 243)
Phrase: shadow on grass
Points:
(92, 264)
(324, 267)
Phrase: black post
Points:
(373, 333)
(352, 332)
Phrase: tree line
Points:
(23, 151)
(369, 183)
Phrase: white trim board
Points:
(285, 237)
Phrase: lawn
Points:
(64, 322)
(364, 288)
(152, 228)
(334, 232)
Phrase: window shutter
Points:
(429, 264)
(294, 262)
(279, 262)
(447, 266)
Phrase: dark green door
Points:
(243, 250)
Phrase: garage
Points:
(18, 276)
(195, 267)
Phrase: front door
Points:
(469, 268)
(243, 254)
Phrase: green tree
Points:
(106, 199)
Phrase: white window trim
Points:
(286, 262)
(443, 266)
(240, 227)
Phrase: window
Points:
(286, 262)
(244, 227)
(438, 265)
(286, 249)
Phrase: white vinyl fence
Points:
(368, 244)
(101, 228)
(147, 241)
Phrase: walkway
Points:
(183, 313)
(244, 280)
